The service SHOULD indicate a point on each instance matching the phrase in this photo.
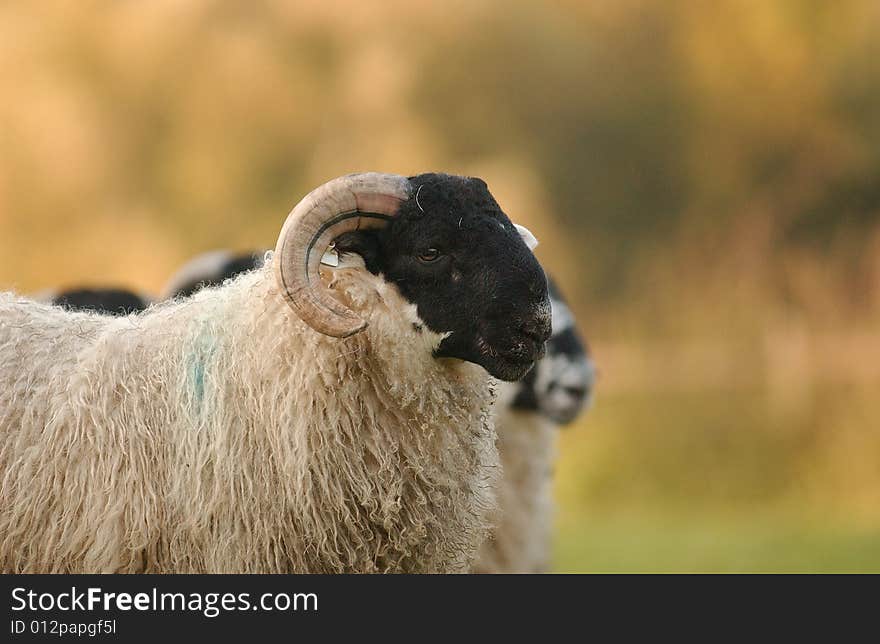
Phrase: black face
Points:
(454, 253)
(108, 300)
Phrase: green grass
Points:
(642, 545)
(721, 480)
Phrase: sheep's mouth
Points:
(510, 368)
(509, 360)
(516, 362)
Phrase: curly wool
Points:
(221, 434)
(521, 540)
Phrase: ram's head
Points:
(448, 247)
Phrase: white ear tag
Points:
(330, 257)
(527, 236)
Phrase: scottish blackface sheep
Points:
(285, 421)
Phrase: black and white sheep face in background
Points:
(453, 252)
(560, 385)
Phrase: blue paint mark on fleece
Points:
(198, 380)
(202, 352)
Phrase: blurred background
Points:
(704, 179)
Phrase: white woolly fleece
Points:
(221, 434)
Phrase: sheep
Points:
(280, 422)
(527, 415)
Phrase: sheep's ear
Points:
(527, 236)
(363, 243)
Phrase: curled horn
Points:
(352, 202)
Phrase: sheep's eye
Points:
(429, 255)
